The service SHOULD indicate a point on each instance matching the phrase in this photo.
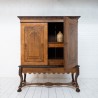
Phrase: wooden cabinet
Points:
(40, 50)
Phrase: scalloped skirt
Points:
(49, 70)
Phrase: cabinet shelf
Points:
(55, 44)
(55, 61)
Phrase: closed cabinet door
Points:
(70, 42)
(34, 43)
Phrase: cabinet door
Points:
(70, 42)
(34, 43)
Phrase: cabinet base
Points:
(74, 72)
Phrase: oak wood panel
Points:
(70, 40)
(34, 43)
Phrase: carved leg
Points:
(24, 80)
(73, 80)
(24, 77)
(21, 80)
(76, 76)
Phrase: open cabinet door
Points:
(70, 42)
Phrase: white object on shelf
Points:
(60, 37)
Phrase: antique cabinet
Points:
(40, 50)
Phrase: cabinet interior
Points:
(55, 53)
(55, 49)
(53, 29)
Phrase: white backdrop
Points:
(10, 30)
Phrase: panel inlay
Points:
(33, 49)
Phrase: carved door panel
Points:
(70, 40)
(34, 43)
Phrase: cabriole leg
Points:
(24, 80)
(21, 80)
(73, 80)
(24, 77)
(76, 77)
